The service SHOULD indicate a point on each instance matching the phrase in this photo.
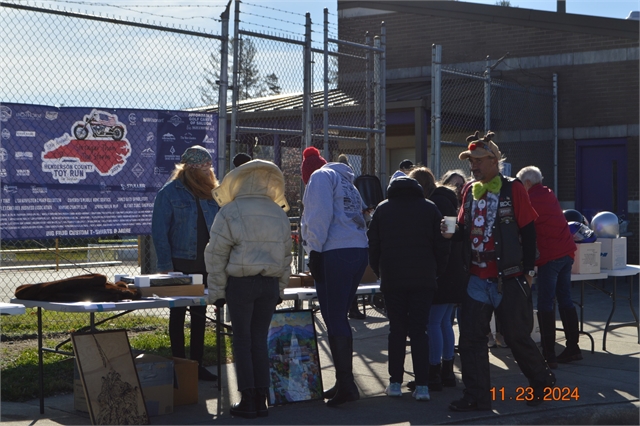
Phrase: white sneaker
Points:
(394, 390)
(491, 342)
(422, 393)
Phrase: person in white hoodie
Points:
(334, 234)
(248, 261)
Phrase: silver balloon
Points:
(605, 225)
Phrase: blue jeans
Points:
(554, 280)
(485, 291)
(343, 270)
(251, 302)
(441, 337)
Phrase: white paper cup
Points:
(450, 221)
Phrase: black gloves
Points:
(220, 303)
(316, 266)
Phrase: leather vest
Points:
(506, 233)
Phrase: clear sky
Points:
(199, 12)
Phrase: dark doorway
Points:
(601, 171)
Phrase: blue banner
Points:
(88, 172)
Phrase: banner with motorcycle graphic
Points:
(88, 172)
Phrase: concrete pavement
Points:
(607, 384)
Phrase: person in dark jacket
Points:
(451, 289)
(407, 252)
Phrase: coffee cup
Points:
(450, 221)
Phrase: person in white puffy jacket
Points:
(248, 261)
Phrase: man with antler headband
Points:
(496, 222)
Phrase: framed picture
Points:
(109, 378)
(294, 363)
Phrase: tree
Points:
(505, 3)
(271, 81)
(251, 84)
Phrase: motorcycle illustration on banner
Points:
(99, 146)
(101, 125)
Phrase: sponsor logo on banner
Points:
(9, 189)
(3, 155)
(148, 153)
(28, 115)
(6, 134)
(152, 120)
(172, 155)
(51, 115)
(23, 172)
(188, 138)
(140, 187)
(168, 137)
(207, 139)
(23, 155)
(5, 113)
(132, 119)
(39, 190)
(176, 121)
(25, 134)
(137, 170)
(150, 137)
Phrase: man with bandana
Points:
(496, 222)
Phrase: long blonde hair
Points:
(199, 182)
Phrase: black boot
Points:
(246, 408)
(342, 353)
(354, 312)
(448, 378)
(435, 377)
(261, 402)
(547, 323)
(331, 392)
(572, 352)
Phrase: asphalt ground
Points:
(607, 383)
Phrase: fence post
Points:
(57, 255)
(222, 94)
(436, 107)
(234, 96)
(325, 109)
(555, 133)
(487, 97)
(383, 104)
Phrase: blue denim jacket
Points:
(175, 221)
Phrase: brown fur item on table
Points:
(82, 288)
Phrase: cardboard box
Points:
(614, 253)
(171, 290)
(301, 280)
(587, 258)
(156, 380)
(185, 386)
(369, 276)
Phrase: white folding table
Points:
(585, 278)
(11, 309)
(629, 271)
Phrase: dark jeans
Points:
(251, 302)
(554, 280)
(176, 332)
(408, 313)
(343, 270)
(515, 313)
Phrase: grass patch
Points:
(19, 354)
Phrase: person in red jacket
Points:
(557, 251)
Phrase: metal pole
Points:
(368, 89)
(325, 110)
(377, 103)
(487, 97)
(307, 84)
(383, 103)
(436, 107)
(234, 96)
(555, 133)
(222, 94)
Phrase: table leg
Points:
(40, 361)
(613, 309)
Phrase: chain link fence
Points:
(521, 114)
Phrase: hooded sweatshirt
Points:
(333, 211)
(251, 234)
